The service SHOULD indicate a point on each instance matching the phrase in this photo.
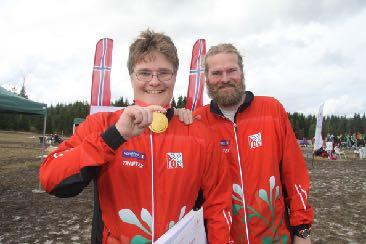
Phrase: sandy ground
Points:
(338, 195)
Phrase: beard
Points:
(228, 94)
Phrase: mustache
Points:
(227, 85)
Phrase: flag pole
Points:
(40, 190)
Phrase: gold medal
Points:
(159, 122)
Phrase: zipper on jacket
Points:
(152, 188)
(241, 181)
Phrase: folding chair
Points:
(339, 153)
(362, 152)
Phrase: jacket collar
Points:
(249, 96)
(169, 113)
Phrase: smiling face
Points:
(155, 91)
(225, 79)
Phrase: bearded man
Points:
(270, 179)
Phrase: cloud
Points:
(344, 105)
(334, 58)
(304, 65)
(303, 53)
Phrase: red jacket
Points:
(266, 164)
(145, 184)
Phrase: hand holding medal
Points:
(159, 122)
(135, 119)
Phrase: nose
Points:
(225, 77)
(154, 80)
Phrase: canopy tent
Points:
(12, 103)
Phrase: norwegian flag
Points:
(101, 91)
(196, 76)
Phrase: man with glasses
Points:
(267, 167)
(147, 165)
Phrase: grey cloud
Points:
(334, 58)
(322, 10)
(262, 15)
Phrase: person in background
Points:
(147, 166)
(270, 178)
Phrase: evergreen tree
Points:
(173, 104)
(23, 93)
(120, 102)
(181, 103)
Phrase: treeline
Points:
(304, 126)
(61, 116)
(60, 119)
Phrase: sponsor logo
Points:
(224, 143)
(132, 164)
(133, 154)
(174, 160)
(255, 140)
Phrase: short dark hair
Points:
(149, 41)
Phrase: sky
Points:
(304, 52)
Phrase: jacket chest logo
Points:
(225, 145)
(174, 160)
(224, 142)
(255, 140)
(132, 158)
(133, 154)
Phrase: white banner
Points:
(97, 109)
(190, 229)
(318, 143)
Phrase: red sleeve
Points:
(217, 191)
(66, 171)
(295, 176)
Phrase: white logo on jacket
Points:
(255, 140)
(132, 164)
(174, 160)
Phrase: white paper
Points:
(190, 229)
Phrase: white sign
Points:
(190, 229)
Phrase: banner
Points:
(196, 76)
(101, 91)
(98, 109)
(190, 229)
(318, 142)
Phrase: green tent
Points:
(12, 103)
(76, 122)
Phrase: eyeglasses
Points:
(146, 76)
